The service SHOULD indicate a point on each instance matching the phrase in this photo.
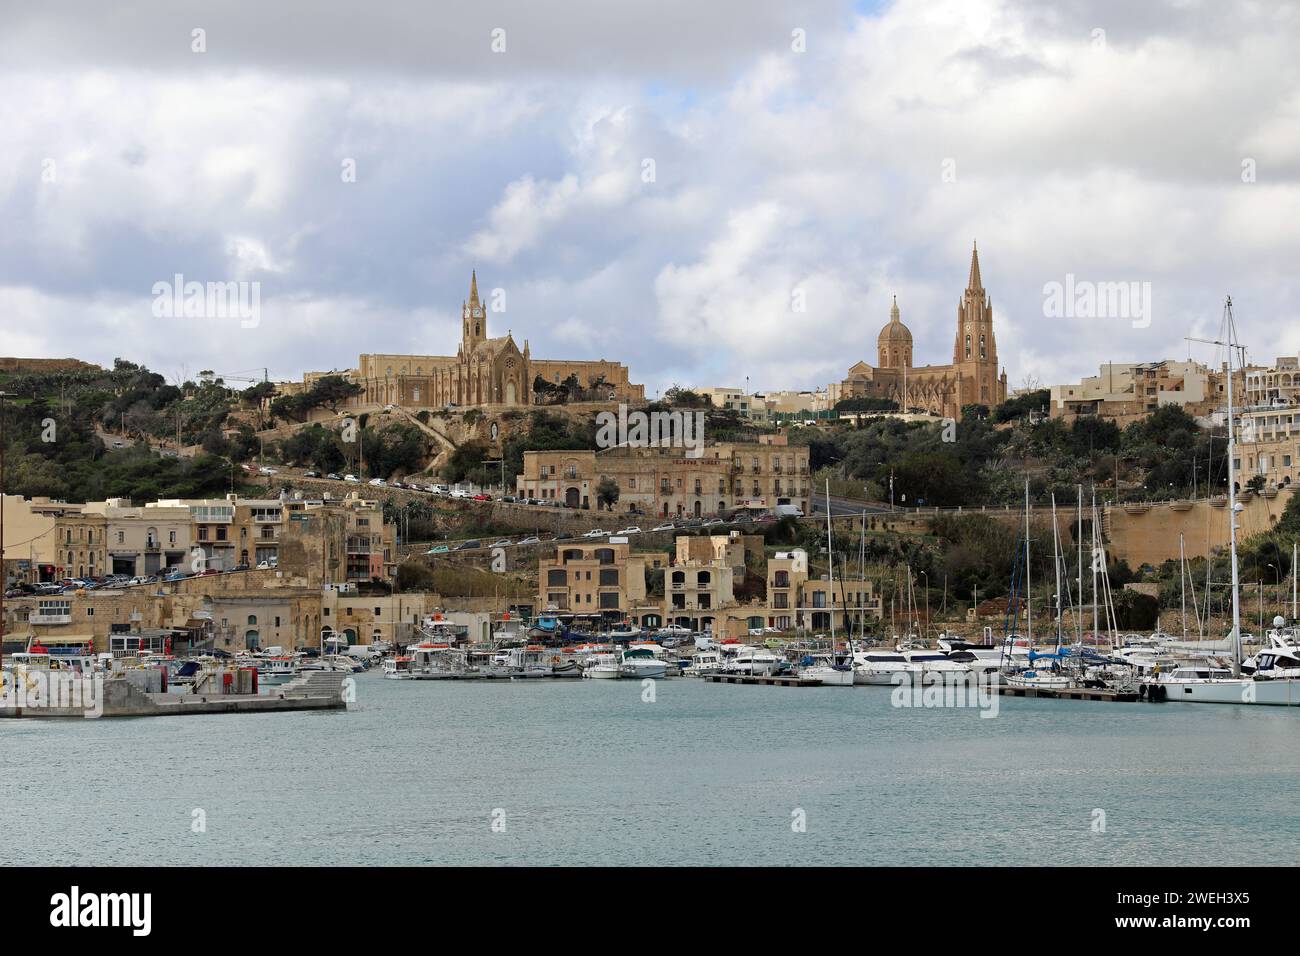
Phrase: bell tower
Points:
(473, 319)
(975, 342)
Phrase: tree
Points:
(607, 492)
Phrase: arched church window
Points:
(968, 346)
(983, 353)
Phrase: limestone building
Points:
(484, 371)
(973, 378)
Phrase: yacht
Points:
(752, 661)
(603, 666)
(936, 665)
(1208, 683)
(827, 669)
(883, 667)
(641, 663)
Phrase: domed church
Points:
(972, 378)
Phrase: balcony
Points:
(49, 619)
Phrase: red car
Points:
(482, 497)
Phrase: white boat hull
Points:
(1275, 693)
(829, 676)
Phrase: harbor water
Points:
(577, 772)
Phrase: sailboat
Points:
(826, 668)
(1207, 683)
(1050, 676)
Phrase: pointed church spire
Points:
(473, 287)
(974, 282)
(893, 311)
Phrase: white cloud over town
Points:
(1095, 140)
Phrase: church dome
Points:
(895, 333)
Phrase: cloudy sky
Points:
(658, 183)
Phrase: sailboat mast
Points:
(1182, 579)
(1078, 611)
(1232, 498)
(1056, 564)
(830, 563)
(1094, 566)
(1029, 610)
(1293, 582)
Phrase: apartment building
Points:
(30, 539)
(796, 600)
(1129, 392)
(697, 586)
(601, 579)
(1268, 445)
(786, 573)
(730, 549)
(667, 482)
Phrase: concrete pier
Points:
(313, 691)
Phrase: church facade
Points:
(484, 371)
(973, 378)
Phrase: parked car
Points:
(596, 533)
(351, 478)
(209, 571)
(333, 477)
(377, 482)
(310, 474)
(563, 536)
(482, 497)
(509, 498)
(241, 567)
(438, 549)
(266, 470)
(531, 539)
(666, 526)
(632, 530)
(503, 543)
(469, 545)
(268, 564)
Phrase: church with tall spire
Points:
(973, 378)
(485, 371)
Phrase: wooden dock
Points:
(1070, 693)
(769, 681)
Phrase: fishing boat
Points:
(397, 667)
(703, 664)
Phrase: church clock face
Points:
(478, 313)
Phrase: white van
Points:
(787, 511)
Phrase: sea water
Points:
(608, 772)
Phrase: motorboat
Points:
(703, 664)
(750, 661)
(640, 663)
(883, 667)
(603, 666)
(832, 672)
(398, 667)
